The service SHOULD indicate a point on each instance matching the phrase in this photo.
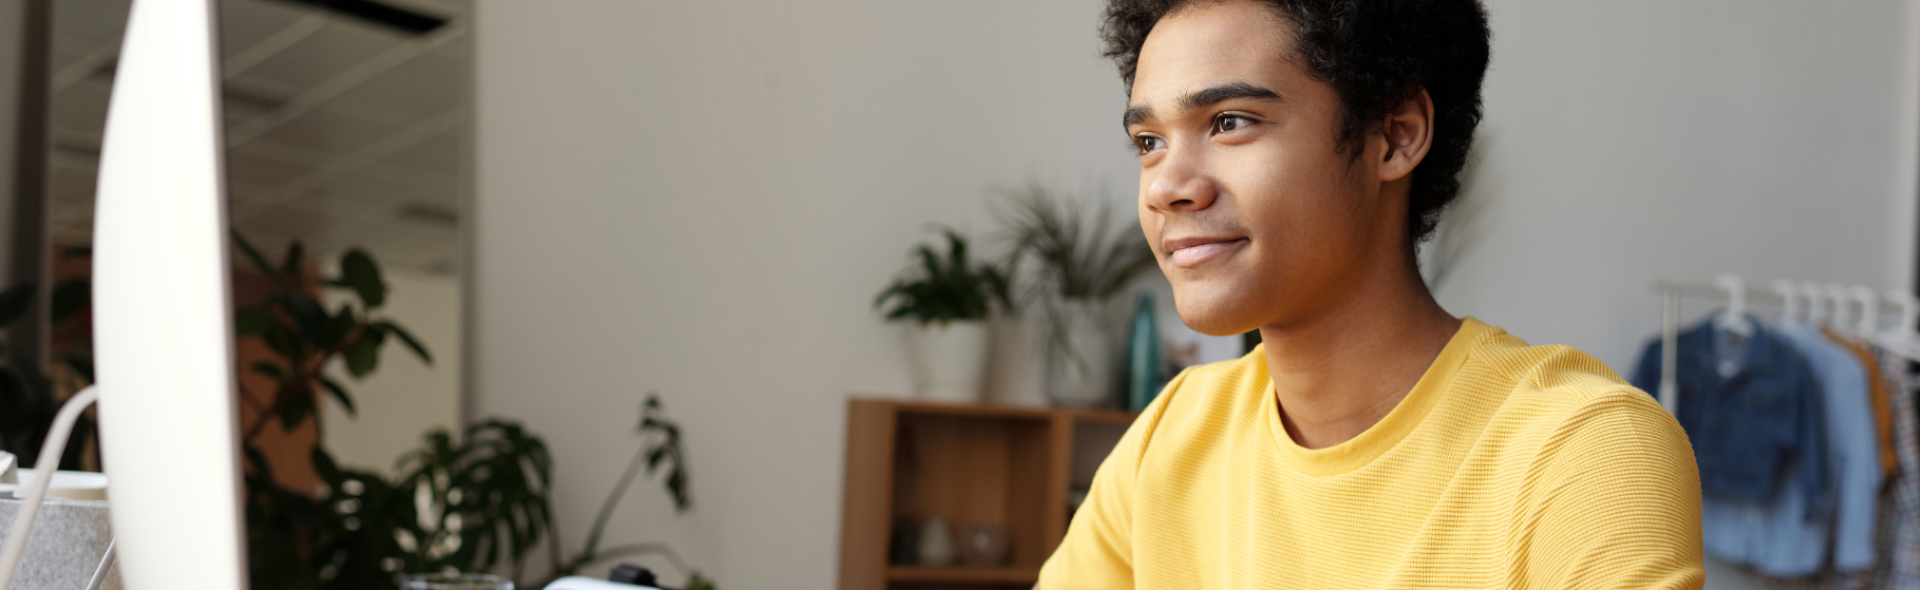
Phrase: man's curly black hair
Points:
(1376, 54)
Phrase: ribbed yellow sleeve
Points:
(1507, 466)
(1609, 507)
(1101, 532)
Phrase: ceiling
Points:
(341, 132)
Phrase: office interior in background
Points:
(552, 288)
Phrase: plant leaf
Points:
(363, 356)
(309, 317)
(932, 263)
(70, 297)
(293, 268)
(270, 369)
(253, 254)
(80, 364)
(324, 466)
(257, 462)
(252, 321)
(407, 339)
(14, 302)
(283, 341)
(343, 323)
(296, 410)
(956, 251)
(359, 272)
(339, 394)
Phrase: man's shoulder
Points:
(1556, 392)
(1554, 374)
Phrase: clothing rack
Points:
(1671, 292)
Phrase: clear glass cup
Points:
(454, 582)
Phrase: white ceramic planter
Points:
(948, 360)
(1080, 363)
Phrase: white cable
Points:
(100, 573)
(48, 463)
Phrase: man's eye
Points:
(1148, 143)
(1225, 123)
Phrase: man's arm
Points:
(1098, 549)
(1618, 505)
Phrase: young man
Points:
(1293, 153)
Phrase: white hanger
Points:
(1816, 308)
(1734, 318)
(1902, 338)
(1838, 295)
(1869, 311)
(1909, 313)
(1790, 301)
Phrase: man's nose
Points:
(1182, 184)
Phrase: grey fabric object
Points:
(68, 539)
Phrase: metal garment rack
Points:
(1670, 294)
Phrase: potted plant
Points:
(948, 297)
(1083, 259)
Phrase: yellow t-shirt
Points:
(1506, 466)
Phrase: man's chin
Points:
(1216, 318)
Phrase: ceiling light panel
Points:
(427, 86)
(244, 23)
(335, 48)
(370, 187)
(410, 242)
(440, 155)
(332, 130)
(255, 170)
(337, 209)
(286, 222)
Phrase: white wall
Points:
(701, 199)
(404, 398)
(1643, 140)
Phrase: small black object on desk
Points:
(628, 573)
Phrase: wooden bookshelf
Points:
(967, 464)
(997, 575)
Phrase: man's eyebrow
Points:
(1223, 93)
(1202, 99)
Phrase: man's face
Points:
(1257, 214)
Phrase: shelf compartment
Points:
(975, 469)
(1000, 575)
(967, 464)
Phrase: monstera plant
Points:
(296, 540)
(477, 502)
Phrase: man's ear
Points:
(1408, 132)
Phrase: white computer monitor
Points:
(162, 308)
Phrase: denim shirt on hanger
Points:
(1749, 426)
(1778, 539)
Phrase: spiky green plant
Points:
(1082, 252)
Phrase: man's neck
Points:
(1341, 371)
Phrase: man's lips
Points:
(1193, 251)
